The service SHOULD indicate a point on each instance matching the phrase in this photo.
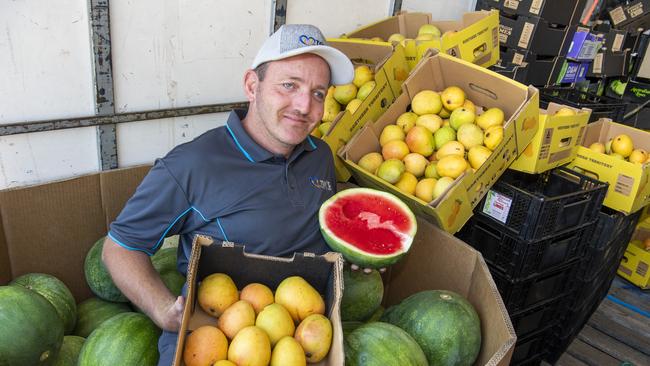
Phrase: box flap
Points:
(117, 186)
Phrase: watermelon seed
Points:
(45, 355)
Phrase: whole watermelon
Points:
(165, 260)
(443, 323)
(56, 292)
(382, 344)
(31, 331)
(125, 339)
(97, 276)
(69, 353)
(91, 313)
(362, 294)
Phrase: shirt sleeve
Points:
(158, 208)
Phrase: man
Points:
(259, 180)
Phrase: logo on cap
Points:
(309, 41)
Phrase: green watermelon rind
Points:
(56, 292)
(382, 344)
(125, 339)
(97, 276)
(362, 294)
(351, 253)
(92, 312)
(69, 353)
(445, 325)
(31, 331)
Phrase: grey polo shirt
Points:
(225, 185)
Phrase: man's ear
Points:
(250, 84)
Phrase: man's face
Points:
(289, 101)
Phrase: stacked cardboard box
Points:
(535, 35)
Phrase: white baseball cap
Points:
(297, 39)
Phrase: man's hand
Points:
(169, 316)
(354, 267)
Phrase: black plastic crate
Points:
(601, 106)
(530, 347)
(517, 258)
(521, 295)
(528, 321)
(540, 206)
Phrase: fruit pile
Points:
(426, 32)
(346, 97)
(257, 327)
(429, 147)
(431, 327)
(622, 147)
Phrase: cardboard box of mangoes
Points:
(474, 38)
(635, 264)
(380, 70)
(561, 129)
(617, 154)
(419, 140)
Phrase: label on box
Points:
(511, 4)
(618, 42)
(545, 149)
(497, 206)
(598, 63)
(518, 58)
(618, 15)
(526, 33)
(504, 33)
(624, 184)
(536, 6)
(635, 10)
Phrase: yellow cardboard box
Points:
(635, 266)
(628, 190)
(485, 88)
(474, 38)
(390, 69)
(556, 140)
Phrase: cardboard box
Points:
(556, 141)
(631, 16)
(635, 266)
(324, 273)
(439, 261)
(608, 64)
(49, 228)
(628, 189)
(534, 34)
(483, 87)
(389, 65)
(613, 39)
(512, 71)
(562, 12)
(474, 38)
(584, 45)
(541, 70)
(572, 72)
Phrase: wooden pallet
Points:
(617, 333)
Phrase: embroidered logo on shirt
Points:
(320, 183)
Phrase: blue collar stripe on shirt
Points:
(239, 145)
(225, 237)
(313, 145)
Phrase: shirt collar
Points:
(251, 149)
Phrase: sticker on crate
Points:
(497, 206)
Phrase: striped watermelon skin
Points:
(31, 331)
(125, 339)
(382, 344)
(97, 276)
(165, 259)
(443, 323)
(56, 292)
(69, 353)
(362, 294)
(91, 313)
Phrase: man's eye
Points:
(288, 85)
(319, 95)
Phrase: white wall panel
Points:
(335, 17)
(440, 9)
(171, 53)
(44, 156)
(45, 60)
(143, 142)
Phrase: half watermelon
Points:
(370, 228)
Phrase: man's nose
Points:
(302, 102)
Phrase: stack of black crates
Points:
(536, 233)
